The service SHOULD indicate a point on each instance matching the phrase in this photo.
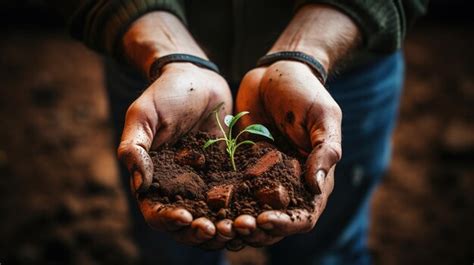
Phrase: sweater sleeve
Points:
(101, 24)
(383, 23)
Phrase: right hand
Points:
(179, 101)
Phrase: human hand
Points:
(179, 101)
(289, 97)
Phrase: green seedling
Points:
(232, 143)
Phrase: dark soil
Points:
(203, 182)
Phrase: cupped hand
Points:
(179, 101)
(289, 97)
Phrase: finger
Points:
(164, 218)
(327, 187)
(224, 234)
(201, 230)
(327, 151)
(139, 164)
(225, 229)
(321, 160)
(205, 229)
(245, 224)
(259, 238)
(133, 149)
(278, 223)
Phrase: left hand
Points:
(177, 102)
(288, 96)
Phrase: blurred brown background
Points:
(60, 199)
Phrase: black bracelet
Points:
(155, 68)
(309, 60)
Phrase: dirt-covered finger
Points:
(224, 234)
(323, 157)
(245, 224)
(325, 133)
(139, 164)
(278, 223)
(225, 229)
(133, 150)
(205, 229)
(164, 218)
(200, 231)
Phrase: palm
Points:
(176, 103)
(287, 96)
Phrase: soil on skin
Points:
(178, 184)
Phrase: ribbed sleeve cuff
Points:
(382, 23)
(101, 24)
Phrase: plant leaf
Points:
(228, 119)
(259, 129)
(212, 141)
(237, 117)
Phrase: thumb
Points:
(133, 152)
(326, 152)
(321, 160)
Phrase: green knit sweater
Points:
(235, 33)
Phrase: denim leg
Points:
(124, 85)
(369, 98)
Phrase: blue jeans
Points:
(369, 98)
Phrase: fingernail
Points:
(267, 226)
(320, 178)
(137, 181)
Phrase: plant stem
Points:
(237, 137)
(232, 161)
(220, 126)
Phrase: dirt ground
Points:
(423, 212)
(60, 199)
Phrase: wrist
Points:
(155, 35)
(151, 58)
(156, 68)
(315, 65)
(317, 53)
(179, 66)
(320, 31)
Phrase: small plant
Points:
(232, 143)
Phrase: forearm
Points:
(154, 35)
(320, 31)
